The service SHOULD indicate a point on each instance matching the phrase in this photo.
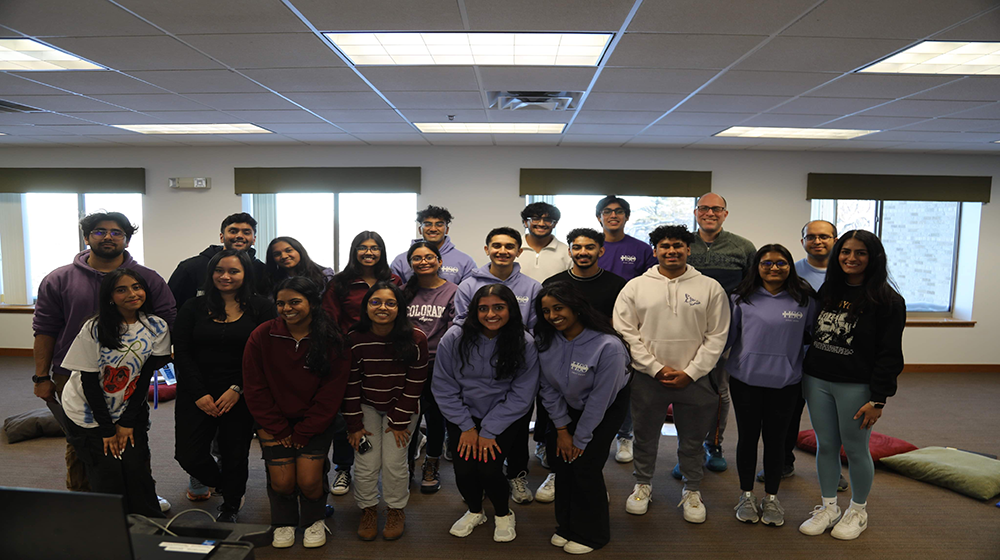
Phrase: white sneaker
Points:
(556, 540)
(821, 519)
(547, 491)
(519, 491)
(638, 500)
(624, 451)
(284, 537)
(504, 531)
(694, 509)
(577, 548)
(465, 524)
(342, 483)
(315, 535)
(164, 504)
(851, 525)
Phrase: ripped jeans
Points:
(295, 486)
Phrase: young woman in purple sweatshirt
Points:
(773, 311)
(585, 388)
(485, 378)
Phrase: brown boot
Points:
(368, 528)
(395, 522)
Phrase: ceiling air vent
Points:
(534, 100)
(8, 107)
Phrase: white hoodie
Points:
(681, 323)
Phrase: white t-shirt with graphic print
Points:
(119, 368)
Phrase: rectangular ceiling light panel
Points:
(942, 57)
(28, 55)
(468, 49)
(793, 133)
(194, 128)
(491, 128)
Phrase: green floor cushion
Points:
(880, 445)
(961, 471)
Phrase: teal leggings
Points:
(832, 407)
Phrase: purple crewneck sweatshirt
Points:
(627, 258)
(67, 296)
(432, 311)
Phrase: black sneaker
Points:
(228, 514)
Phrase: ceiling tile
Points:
(641, 80)
(422, 78)
(378, 128)
(795, 121)
(662, 141)
(953, 125)
(267, 140)
(327, 139)
(338, 101)
(530, 15)
(303, 128)
(441, 115)
(199, 81)
(944, 137)
(914, 19)
(155, 102)
(521, 78)
(267, 117)
(605, 129)
(39, 118)
(739, 82)
(404, 139)
(81, 130)
(289, 80)
(244, 101)
(632, 101)
(761, 17)
(594, 141)
(462, 139)
(838, 106)
(855, 145)
(76, 140)
(217, 16)
(364, 116)
(136, 53)
(435, 100)
(730, 103)
(273, 50)
(61, 103)
(10, 84)
(986, 112)
(670, 130)
(188, 117)
(90, 83)
(382, 15)
(704, 119)
(142, 140)
(983, 28)
(113, 118)
(648, 50)
(788, 144)
(920, 108)
(882, 86)
(29, 141)
(809, 54)
(79, 18)
(971, 88)
(205, 140)
(617, 117)
(724, 143)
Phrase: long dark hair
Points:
(412, 285)
(352, 271)
(402, 329)
(324, 334)
(306, 266)
(797, 288)
(878, 291)
(108, 323)
(508, 356)
(590, 318)
(217, 307)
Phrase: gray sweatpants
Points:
(694, 408)
(386, 458)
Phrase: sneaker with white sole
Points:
(315, 534)
(283, 537)
(851, 525)
(519, 491)
(623, 453)
(638, 500)
(694, 509)
(465, 524)
(164, 504)
(342, 483)
(746, 508)
(577, 548)
(771, 512)
(821, 519)
(547, 491)
(504, 530)
(542, 454)
(556, 540)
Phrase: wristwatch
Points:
(878, 405)
(237, 388)
(40, 378)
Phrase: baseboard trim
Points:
(951, 368)
(19, 352)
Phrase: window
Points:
(647, 212)
(921, 240)
(326, 223)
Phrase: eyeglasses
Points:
(114, 233)
(438, 225)
(497, 308)
(541, 220)
(418, 259)
(769, 264)
(715, 209)
(390, 304)
(615, 211)
(821, 237)
(367, 249)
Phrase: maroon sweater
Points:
(382, 382)
(279, 389)
(345, 312)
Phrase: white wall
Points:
(765, 191)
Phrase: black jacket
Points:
(188, 279)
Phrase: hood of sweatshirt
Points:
(81, 263)
(673, 285)
(483, 273)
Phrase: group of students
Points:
(307, 359)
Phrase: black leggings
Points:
(762, 411)
(475, 477)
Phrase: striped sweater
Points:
(383, 383)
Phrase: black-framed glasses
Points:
(821, 237)
(376, 303)
(615, 211)
(438, 225)
(769, 264)
(367, 249)
(415, 259)
(715, 209)
(114, 233)
(541, 220)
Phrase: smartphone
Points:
(364, 446)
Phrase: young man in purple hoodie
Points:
(67, 297)
(434, 223)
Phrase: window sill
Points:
(942, 322)
(11, 308)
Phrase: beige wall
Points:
(765, 191)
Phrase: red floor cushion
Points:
(167, 392)
(670, 413)
(880, 445)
